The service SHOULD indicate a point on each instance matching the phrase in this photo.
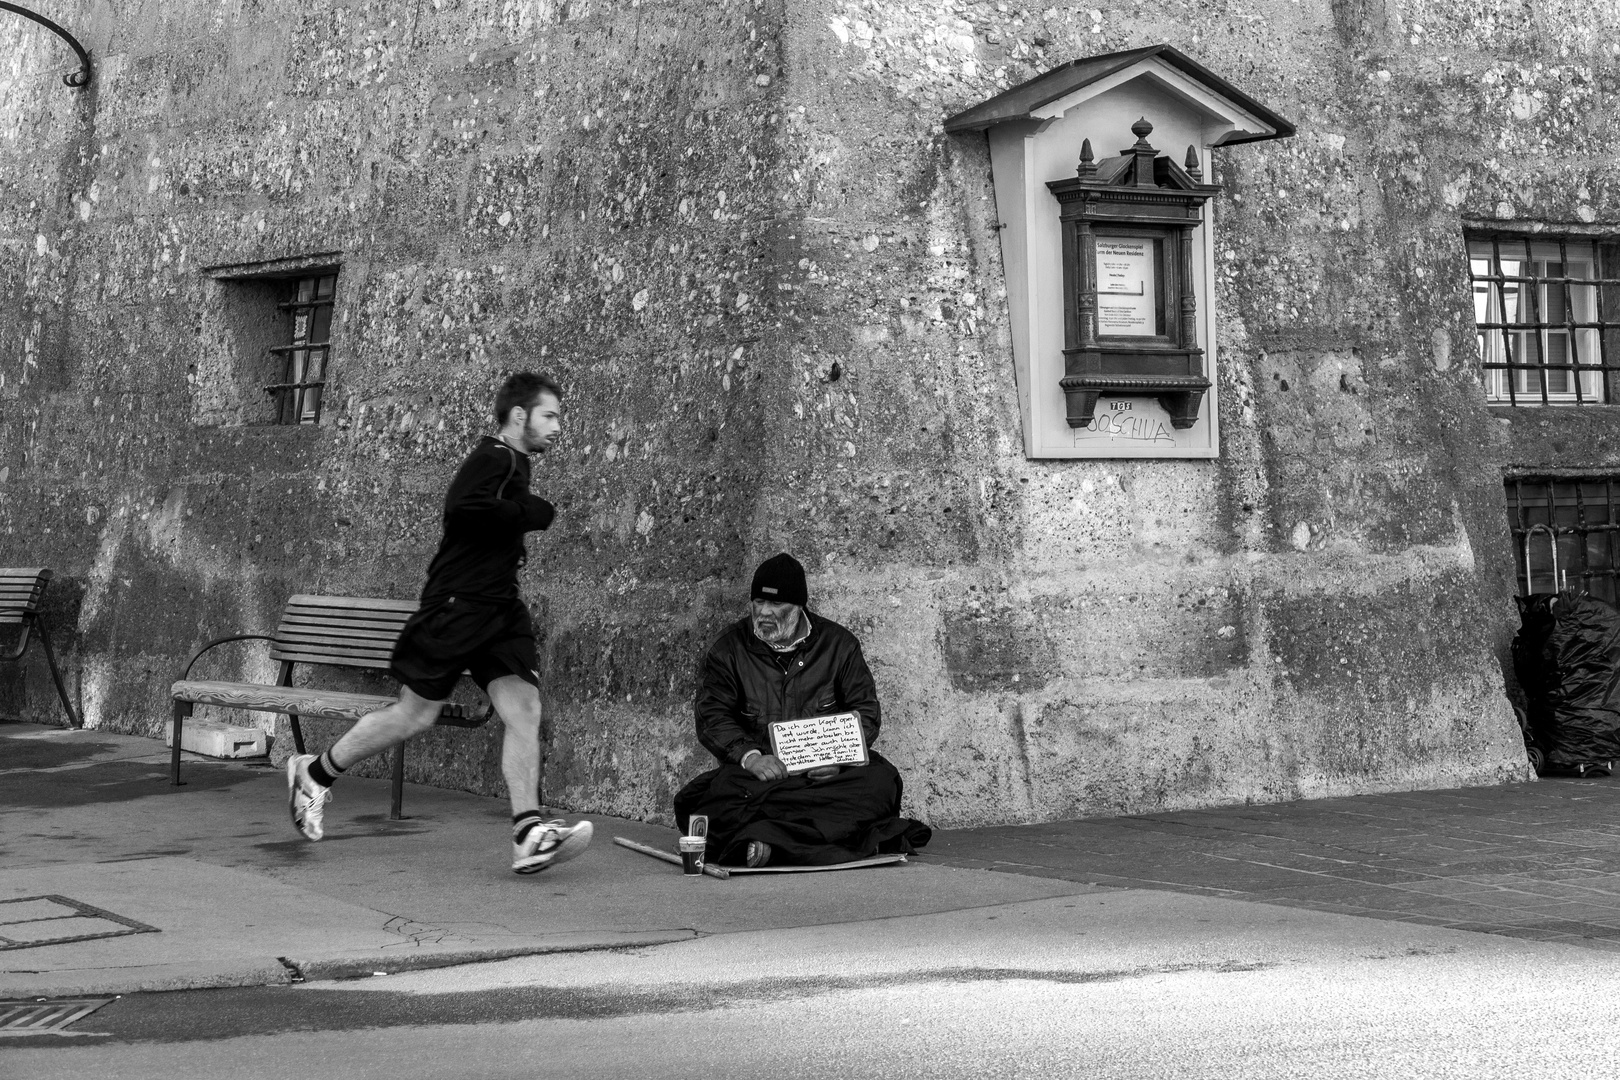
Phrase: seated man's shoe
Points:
(549, 843)
(758, 853)
(306, 800)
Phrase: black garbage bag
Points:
(1567, 660)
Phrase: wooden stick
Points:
(670, 857)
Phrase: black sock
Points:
(324, 771)
(522, 823)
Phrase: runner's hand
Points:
(767, 767)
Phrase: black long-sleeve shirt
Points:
(486, 512)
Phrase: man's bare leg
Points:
(385, 728)
(536, 843)
(518, 705)
(310, 778)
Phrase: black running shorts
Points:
(486, 638)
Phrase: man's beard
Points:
(783, 631)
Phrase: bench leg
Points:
(56, 673)
(182, 709)
(298, 732)
(394, 813)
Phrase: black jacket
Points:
(486, 512)
(742, 686)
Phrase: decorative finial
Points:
(1193, 169)
(1142, 129)
(1088, 161)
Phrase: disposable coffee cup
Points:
(692, 848)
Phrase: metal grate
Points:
(1584, 516)
(1546, 319)
(303, 379)
(29, 922)
(47, 1017)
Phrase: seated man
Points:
(781, 662)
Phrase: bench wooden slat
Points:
(351, 603)
(377, 625)
(346, 626)
(379, 662)
(304, 701)
(326, 636)
(316, 642)
(327, 616)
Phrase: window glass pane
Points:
(320, 324)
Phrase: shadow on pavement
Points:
(111, 782)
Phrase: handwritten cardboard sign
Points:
(802, 745)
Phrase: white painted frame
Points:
(1024, 155)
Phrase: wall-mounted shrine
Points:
(1099, 169)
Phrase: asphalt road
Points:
(1107, 984)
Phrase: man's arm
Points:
(476, 498)
(718, 707)
(858, 691)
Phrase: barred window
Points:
(309, 307)
(1541, 309)
(1583, 514)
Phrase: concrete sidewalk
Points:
(233, 896)
(208, 885)
(1539, 861)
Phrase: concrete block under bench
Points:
(211, 738)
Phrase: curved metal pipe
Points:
(76, 78)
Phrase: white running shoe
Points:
(305, 798)
(549, 843)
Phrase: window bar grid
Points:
(300, 394)
(1538, 500)
(1600, 287)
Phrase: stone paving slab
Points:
(1539, 860)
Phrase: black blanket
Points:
(853, 815)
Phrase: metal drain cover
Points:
(29, 922)
(46, 1017)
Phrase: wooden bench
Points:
(333, 631)
(21, 589)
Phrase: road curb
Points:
(358, 967)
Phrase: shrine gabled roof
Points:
(1022, 101)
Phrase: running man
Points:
(472, 619)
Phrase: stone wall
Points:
(772, 287)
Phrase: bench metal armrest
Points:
(221, 641)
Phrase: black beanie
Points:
(780, 580)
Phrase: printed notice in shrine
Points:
(1127, 293)
(802, 745)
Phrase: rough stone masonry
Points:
(772, 286)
